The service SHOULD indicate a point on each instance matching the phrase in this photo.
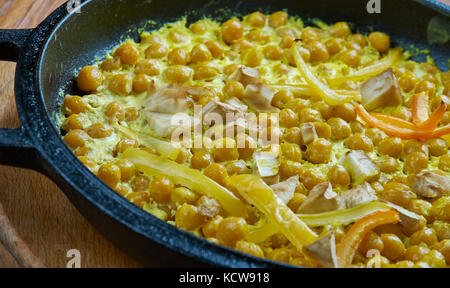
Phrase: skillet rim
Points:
(70, 178)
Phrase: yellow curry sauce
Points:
(359, 177)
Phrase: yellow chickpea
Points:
(246, 146)
(387, 164)
(128, 53)
(437, 146)
(231, 230)
(351, 58)
(249, 248)
(287, 41)
(311, 178)
(181, 195)
(380, 41)
(323, 130)
(416, 146)
(359, 142)
(398, 194)
(201, 159)
(200, 53)
(206, 71)
(319, 151)
(371, 241)
(375, 135)
(444, 162)
(293, 135)
(258, 35)
(215, 48)
(110, 64)
(339, 128)
(138, 198)
(127, 169)
(273, 52)
(253, 57)
(393, 247)
(198, 27)
(110, 174)
(415, 253)
(309, 115)
(74, 121)
(319, 52)
(210, 228)
(289, 168)
(188, 218)
(334, 45)
(278, 19)
(338, 175)
(415, 162)
(281, 98)
(76, 138)
(156, 50)
(225, 150)
(291, 152)
(147, 66)
(124, 144)
(444, 248)
(140, 183)
(441, 209)
(288, 118)
(425, 85)
(99, 130)
(234, 89)
(88, 162)
(121, 84)
(359, 39)
(89, 79)
(232, 30)
(407, 82)
(257, 19)
(391, 146)
(178, 73)
(340, 30)
(310, 34)
(426, 235)
(160, 189)
(217, 173)
(115, 112)
(142, 83)
(345, 111)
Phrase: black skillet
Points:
(48, 56)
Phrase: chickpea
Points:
(380, 41)
(288, 118)
(246, 146)
(128, 53)
(376, 135)
(415, 253)
(131, 114)
(231, 230)
(76, 138)
(407, 82)
(237, 167)
(319, 52)
(298, 104)
(142, 83)
(232, 30)
(206, 71)
(425, 85)
(138, 198)
(201, 159)
(304, 53)
(323, 130)
(444, 248)
(444, 162)
(140, 183)
(325, 110)
(217, 173)
(441, 209)
(198, 27)
(241, 45)
(291, 152)
(339, 128)
(415, 162)
(281, 69)
(210, 228)
(110, 64)
(160, 189)
(181, 195)
(249, 248)
(99, 130)
(371, 241)
(359, 142)
(121, 84)
(345, 111)
(289, 168)
(188, 218)
(278, 19)
(273, 52)
(287, 41)
(124, 144)
(74, 121)
(253, 57)
(115, 112)
(426, 235)
(258, 35)
(402, 112)
(200, 53)
(334, 45)
(311, 178)
(391, 146)
(127, 169)
(359, 39)
(88, 162)
(340, 30)
(293, 135)
(110, 174)
(398, 194)
(215, 49)
(178, 73)
(387, 164)
(296, 201)
(310, 34)
(421, 207)
(319, 151)
(89, 79)
(256, 19)
(156, 50)
(147, 66)
(351, 58)
(434, 259)
(309, 115)
(393, 247)
(233, 89)
(415, 146)
(338, 175)
(225, 150)
(437, 146)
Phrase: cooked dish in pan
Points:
(314, 146)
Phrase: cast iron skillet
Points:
(49, 55)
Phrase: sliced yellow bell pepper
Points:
(185, 176)
(255, 191)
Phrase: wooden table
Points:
(41, 213)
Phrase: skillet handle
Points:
(16, 148)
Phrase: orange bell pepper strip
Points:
(394, 120)
(355, 235)
(435, 118)
(420, 107)
(392, 128)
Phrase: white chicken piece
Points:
(431, 185)
(285, 190)
(267, 161)
(323, 251)
(360, 167)
(163, 124)
(308, 133)
(168, 100)
(246, 76)
(381, 90)
(321, 198)
(259, 97)
(359, 195)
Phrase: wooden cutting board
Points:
(42, 215)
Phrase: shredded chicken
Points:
(381, 90)
(360, 167)
(431, 185)
(246, 76)
(267, 161)
(259, 97)
(321, 198)
(323, 251)
(163, 125)
(285, 190)
(167, 100)
(359, 195)
(308, 133)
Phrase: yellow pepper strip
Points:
(328, 95)
(185, 176)
(255, 191)
(262, 231)
(420, 107)
(163, 147)
(369, 71)
(305, 90)
(355, 235)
